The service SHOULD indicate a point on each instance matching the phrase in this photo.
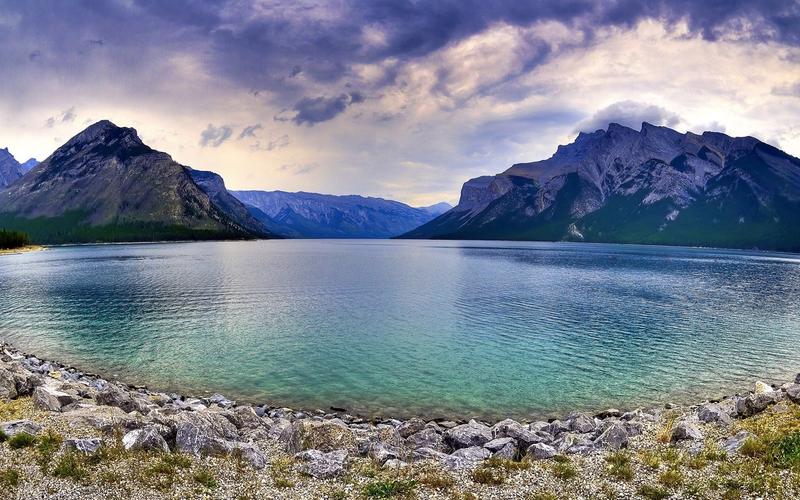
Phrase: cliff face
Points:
(654, 185)
(105, 184)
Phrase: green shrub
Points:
(3, 436)
(671, 478)
(388, 489)
(70, 465)
(564, 470)
(652, 492)
(21, 440)
(9, 478)
(619, 466)
(205, 478)
(787, 450)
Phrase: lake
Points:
(398, 328)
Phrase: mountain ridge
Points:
(655, 185)
(106, 184)
(314, 215)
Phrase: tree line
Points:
(13, 239)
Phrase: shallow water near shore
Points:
(455, 329)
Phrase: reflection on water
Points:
(401, 327)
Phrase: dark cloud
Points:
(214, 136)
(631, 114)
(312, 110)
(284, 47)
(250, 131)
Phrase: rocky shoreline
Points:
(296, 454)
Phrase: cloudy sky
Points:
(398, 99)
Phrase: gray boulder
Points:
(411, 426)
(15, 427)
(49, 399)
(713, 412)
(499, 443)
(468, 435)
(540, 451)
(114, 396)
(684, 431)
(793, 392)
(507, 452)
(513, 429)
(220, 400)
(426, 438)
(204, 433)
(147, 439)
(251, 453)
(615, 437)
(322, 465)
(754, 404)
(733, 443)
(322, 435)
(572, 443)
(85, 446)
(8, 385)
(428, 454)
(473, 453)
(581, 423)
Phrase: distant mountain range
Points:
(653, 186)
(311, 215)
(105, 184)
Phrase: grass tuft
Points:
(70, 465)
(9, 478)
(389, 489)
(671, 478)
(652, 492)
(21, 440)
(206, 478)
(564, 470)
(619, 466)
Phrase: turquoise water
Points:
(413, 327)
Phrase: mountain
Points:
(653, 186)
(437, 209)
(214, 186)
(28, 165)
(311, 215)
(105, 184)
(10, 169)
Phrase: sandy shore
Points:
(69, 434)
(25, 249)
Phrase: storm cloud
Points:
(631, 114)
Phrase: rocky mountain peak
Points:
(106, 134)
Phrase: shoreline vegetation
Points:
(12, 242)
(69, 434)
